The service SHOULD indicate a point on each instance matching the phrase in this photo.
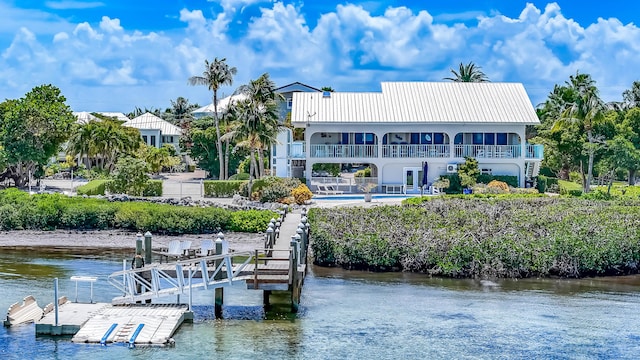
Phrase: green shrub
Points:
(301, 194)
(222, 188)
(455, 187)
(366, 172)
(153, 188)
(93, 187)
(250, 220)
(239, 176)
(569, 188)
(541, 183)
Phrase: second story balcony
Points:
(415, 151)
(344, 151)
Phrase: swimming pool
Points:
(360, 197)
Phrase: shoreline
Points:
(114, 239)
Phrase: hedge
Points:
(569, 188)
(20, 211)
(511, 180)
(222, 188)
(93, 187)
(153, 188)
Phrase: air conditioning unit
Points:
(452, 168)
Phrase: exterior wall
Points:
(391, 168)
(280, 155)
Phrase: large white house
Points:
(396, 131)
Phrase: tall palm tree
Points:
(587, 109)
(468, 73)
(216, 74)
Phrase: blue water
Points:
(359, 197)
(363, 315)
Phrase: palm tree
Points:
(587, 109)
(468, 73)
(217, 73)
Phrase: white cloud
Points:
(348, 48)
(66, 5)
(110, 25)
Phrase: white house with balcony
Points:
(396, 131)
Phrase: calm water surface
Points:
(348, 315)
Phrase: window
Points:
(369, 139)
(153, 140)
(359, 138)
(144, 138)
(345, 138)
(290, 103)
(438, 138)
(415, 138)
(425, 138)
(458, 138)
(501, 139)
(489, 139)
(477, 139)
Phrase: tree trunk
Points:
(261, 162)
(226, 160)
(250, 185)
(632, 177)
(218, 141)
(253, 162)
(587, 185)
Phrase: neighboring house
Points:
(397, 130)
(155, 131)
(285, 158)
(117, 115)
(223, 104)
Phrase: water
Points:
(358, 315)
(359, 197)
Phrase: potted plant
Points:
(366, 189)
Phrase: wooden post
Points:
(303, 249)
(265, 299)
(147, 248)
(219, 292)
(293, 268)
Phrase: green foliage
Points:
(220, 188)
(569, 188)
(272, 189)
(93, 187)
(541, 183)
(130, 177)
(32, 129)
(366, 172)
(468, 172)
(152, 188)
(252, 221)
(333, 169)
(239, 176)
(489, 236)
(455, 187)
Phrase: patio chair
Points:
(174, 250)
(207, 247)
(186, 249)
(333, 191)
(322, 190)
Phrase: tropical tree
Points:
(586, 110)
(468, 73)
(256, 124)
(32, 130)
(130, 176)
(217, 73)
(631, 97)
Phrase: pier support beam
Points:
(265, 299)
(219, 292)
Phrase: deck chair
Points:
(186, 248)
(174, 250)
(207, 247)
(333, 191)
(322, 190)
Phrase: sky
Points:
(115, 55)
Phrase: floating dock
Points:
(101, 323)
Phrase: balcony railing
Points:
(298, 150)
(415, 151)
(418, 151)
(344, 151)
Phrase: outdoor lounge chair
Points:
(333, 191)
(174, 250)
(322, 190)
(186, 249)
(207, 247)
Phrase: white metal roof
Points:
(118, 115)
(84, 117)
(222, 105)
(428, 102)
(148, 121)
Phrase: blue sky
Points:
(114, 55)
